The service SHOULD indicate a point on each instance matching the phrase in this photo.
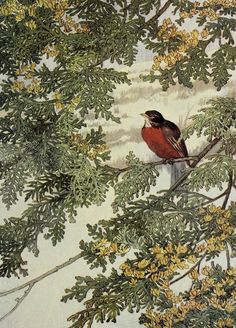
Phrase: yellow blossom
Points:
(133, 282)
(152, 268)
(230, 306)
(57, 95)
(143, 264)
(231, 271)
(206, 270)
(194, 293)
(193, 274)
(192, 259)
(207, 218)
(200, 248)
(204, 33)
(31, 24)
(155, 292)
(139, 274)
(32, 10)
(225, 322)
(215, 302)
(169, 248)
(181, 249)
(182, 265)
(218, 290)
(18, 86)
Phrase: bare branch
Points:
(18, 301)
(227, 255)
(159, 13)
(42, 276)
(228, 191)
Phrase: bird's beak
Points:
(144, 115)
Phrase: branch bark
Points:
(190, 270)
(194, 164)
(42, 276)
(18, 301)
(158, 163)
(228, 191)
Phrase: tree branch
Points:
(190, 270)
(18, 301)
(42, 276)
(228, 191)
(194, 164)
(159, 13)
(158, 163)
(227, 255)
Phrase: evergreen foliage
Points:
(54, 57)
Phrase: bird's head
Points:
(153, 118)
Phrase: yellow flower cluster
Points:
(58, 7)
(222, 220)
(206, 12)
(217, 294)
(225, 323)
(70, 25)
(73, 104)
(26, 70)
(220, 296)
(166, 261)
(77, 142)
(173, 315)
(169, 30)
(33, 87)
(207, 8)
(51, 50)
(57, 96)
(103, 247)
(13, 7)
(224, 3)
(30, 24)
(19, 11)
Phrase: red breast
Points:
(156, 141)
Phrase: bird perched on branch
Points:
(164, 139)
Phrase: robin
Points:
(164, 139)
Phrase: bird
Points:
(163, 137)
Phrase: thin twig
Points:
(190, 270)
(230, 184)
(42, 276)
(162, 162)
(194, 164)
(227, 255)
(159, 13)
(18, 301)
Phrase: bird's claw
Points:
(169, 161)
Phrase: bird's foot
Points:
(169, 161)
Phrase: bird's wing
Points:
(173, 136)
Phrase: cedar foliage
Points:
(49, 157)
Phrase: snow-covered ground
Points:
(42, 308)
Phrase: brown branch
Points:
(190, 270)
(158, 163)
(160, 12)
(228, 191)
(18, 301)
(194, 164)
(42, 276)
(227, 255)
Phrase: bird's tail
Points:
(177, 170)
